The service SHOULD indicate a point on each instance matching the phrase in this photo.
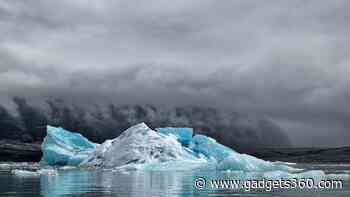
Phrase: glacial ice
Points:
(61, 147)
(183, 135)
(208, 146)
(140, 147)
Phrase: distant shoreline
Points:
(17, 151)
(305, 155)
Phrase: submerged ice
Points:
(143, 148)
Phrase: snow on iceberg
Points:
(61, 147)
(141, 147)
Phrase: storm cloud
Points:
(285, 60)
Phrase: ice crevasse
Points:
(143, 148)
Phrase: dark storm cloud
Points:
(288, 60)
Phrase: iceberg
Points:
(140, 147)
(61, 147)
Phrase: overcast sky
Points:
(286, 60)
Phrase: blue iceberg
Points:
(183, 135)
(140, 147)
(61, 147)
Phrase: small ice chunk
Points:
(338, 176)
(284, 163)
(67, 168)
(5, 166)
(25, 173)
(50, 172)
(61, 147)
(183, 134)
(32, 166)
(28, 173)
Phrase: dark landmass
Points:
(27, 122)
(304, 155)
(12, 150)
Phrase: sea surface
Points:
(25, 179)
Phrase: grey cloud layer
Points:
(285, 59)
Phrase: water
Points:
(75, 182)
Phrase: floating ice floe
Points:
(25, 173)
(342, 176)
(31, 166)
(29, 173)
(5, 166)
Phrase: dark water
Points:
(75, 182)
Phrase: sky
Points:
(285, 60)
